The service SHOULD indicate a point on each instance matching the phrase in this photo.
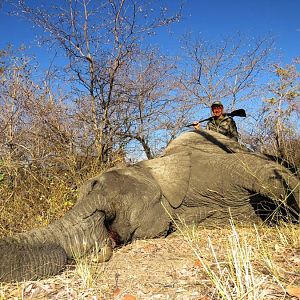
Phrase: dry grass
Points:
(33, 203)
(236, 262)
(251, 261)
(33, 197)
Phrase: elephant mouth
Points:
(114, 237)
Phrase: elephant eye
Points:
(94, 185)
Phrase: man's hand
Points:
(197, 125)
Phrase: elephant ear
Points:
(172, 173)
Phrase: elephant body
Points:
(202, 177)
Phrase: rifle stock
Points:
(238, 113)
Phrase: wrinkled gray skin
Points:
(203, 177)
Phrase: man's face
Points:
(217, 110)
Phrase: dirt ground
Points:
(165, 268)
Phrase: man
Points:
(220, 122)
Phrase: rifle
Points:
(235, 113)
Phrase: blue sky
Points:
(212, 18)
(253, 18)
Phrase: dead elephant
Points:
(203, 177)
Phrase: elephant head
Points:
(202, 177)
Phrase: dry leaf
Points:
(128, 297)
(293, 291)
(197, 263)
(116, 292)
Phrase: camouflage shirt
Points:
(224, 125)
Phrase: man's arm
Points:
(233, 130)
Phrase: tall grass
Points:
(240, 263)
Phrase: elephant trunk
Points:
(44, 251)
(21, 261)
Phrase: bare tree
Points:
(101, 40)
(15, 72)
(38, 146)
(149, 104)
(227, 70)
(280, 113)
